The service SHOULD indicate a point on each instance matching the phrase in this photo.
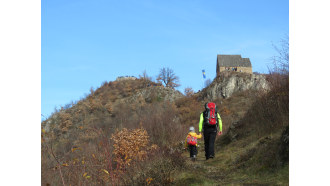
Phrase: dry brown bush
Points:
(101, 161)
(162, 123)
(189, 110)
(65, 121)
(159, 169)
(271, 110)
(130, 145)
(85, 154)
(188, 92)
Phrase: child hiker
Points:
(191, 142)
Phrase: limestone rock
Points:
(156, 93)
(226, 85)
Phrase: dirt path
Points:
(201, 171)
(232, 165)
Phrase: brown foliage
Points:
(65, 121)
(159, 169)
(96, 162)
(87, 155)
(188, 91)
(130, 145)
(270, 111)
(162, 123)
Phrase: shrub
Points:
(130, 145)
(188, 91)
(99, 160)
(159, 169)
(162, 123)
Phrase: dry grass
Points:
(102, 140)
(94, 142)
(109, 161)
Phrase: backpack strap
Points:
(217, 124)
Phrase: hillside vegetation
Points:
(255, 147)
(131, 132)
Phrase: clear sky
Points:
(84, 43)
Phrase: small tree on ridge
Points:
(167, 76)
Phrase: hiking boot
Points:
(211, 156)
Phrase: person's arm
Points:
(201, 120)
(220, 123)
(198, 136)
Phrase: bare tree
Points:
(167, 76)
(145, 76)
(146, 80)
(188, 91)
(279, 70)
(281, 60)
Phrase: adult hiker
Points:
(209, 123)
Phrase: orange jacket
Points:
(193, 134)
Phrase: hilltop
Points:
(101, 135)
(106, 102)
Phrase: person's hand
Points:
(219, 133)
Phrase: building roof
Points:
(233, 61)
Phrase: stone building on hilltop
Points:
(233, 63)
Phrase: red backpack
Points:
(191, 140)
(210, 116)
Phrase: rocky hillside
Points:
(107, 100)
(153, 93)
(229, 83)
(130, 132)
(254, 149)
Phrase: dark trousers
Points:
(193, 150)
(209, 138)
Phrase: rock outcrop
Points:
(229, 83)
(158, 93)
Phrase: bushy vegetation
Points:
(271, 110)
(102, 139)
(109, 161)
(108, 139)
(259, 141)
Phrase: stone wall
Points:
(121, 78)
(239, 69)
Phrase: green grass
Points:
(193, 179)
(233, 165)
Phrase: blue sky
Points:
(84, 43)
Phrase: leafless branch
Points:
(167, 76)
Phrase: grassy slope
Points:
(253, 158)
(233, 165)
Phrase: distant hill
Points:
(104, 102)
